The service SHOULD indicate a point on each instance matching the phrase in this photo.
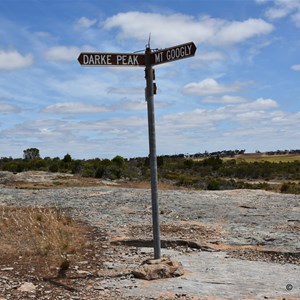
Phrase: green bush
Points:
(88, 172)
(53, 167)
(213, 184)
(186, 180)
(290, 188)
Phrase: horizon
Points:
(240, 91)
(186, 155)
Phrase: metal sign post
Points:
(137, 60)
(152, 149)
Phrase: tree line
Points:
(97, 168)
(211, 172)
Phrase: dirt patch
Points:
(267, 256)
(185, 230)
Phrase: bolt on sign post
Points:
(148, 60)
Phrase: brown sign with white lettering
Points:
(173, 53)
(112, 59)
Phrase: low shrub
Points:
(290, 188)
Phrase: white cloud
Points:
(179, 28)
(82, 86)
(82, 138)
(224, 99)
(283, 8)
(261, 103)
(283, 119)
(84, 22)
(211, 56)
(206, 59)
(128, 105)
(258, 105)
(277, 13)
(295, 67)
(125, 91)
(62, 53)
(75, 108)
(256, 49)
(12, 60)
(296, 18)
(42, 34)
(6, 107)
(237, 32)
(254, 111)
(210, 86)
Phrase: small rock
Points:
(152, 269)
(7, 269)
(82, 272)
(27, 287)
(109, 265)
(99, 288)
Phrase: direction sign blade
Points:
(111, 59)
(173, 53)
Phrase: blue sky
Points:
(240, 91)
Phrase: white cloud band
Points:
(179, 28)
(12, 60)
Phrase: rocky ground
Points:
(237, 244)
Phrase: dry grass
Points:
(43, 234)
(260, 157)
(270, 158)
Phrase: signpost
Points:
(148, 60)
